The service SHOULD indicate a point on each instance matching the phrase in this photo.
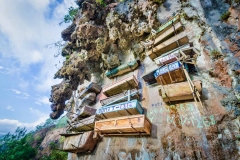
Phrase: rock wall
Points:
(109, 35)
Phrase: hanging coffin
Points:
(121, 97)
(122, 109)
(80, 143)
(92, 87)
(121, 86)
(85, 112)
(178, 91)
(170, 73)
(171, 56)
(85, 124)
(168, 45)
(129, 125)
(122, 69)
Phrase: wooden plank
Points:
(122, 109)
(178, 91)
(69, 134)
(117, 96)
(168, 45)
(121, 86)
(80, 143)
(85, 124)
(92, 87)
(168, 33)
(138, 124)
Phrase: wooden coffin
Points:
(85, 124)
(170, 73)
(122, 109)
(122, 69)
(80, 143)
(178, 91)
(128, 125)
(121, 86)
(121, 97)
(85, 112)
(168, 33)
(171, 56)
(92, 87)
(168, 45)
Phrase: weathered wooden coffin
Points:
(168, 45)
(119, 96)
(122, 109)
(80, 143)
(178, 91)
(85, 124)
(171, 56)
(170, 32)
(85, 112)
(122, 69)
(121, 86)
(128, 125)
(170, 73)
(93, 87)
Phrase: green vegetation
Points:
(72, 13)
(101, 2)
(225, 16)
(55, 154)
(17, 146)
(215, 54)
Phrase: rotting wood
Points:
(117, 96)
(122, 69)
(122, 109)
(128, 125)
(168, 45)
(85, 112)
(178, 91)
(81, 143)
(92, 87)
(121, 86)
(85, 124)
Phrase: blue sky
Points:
(27, 66)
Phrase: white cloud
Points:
(20, 94)
(10, 108)
(10, 125)
(4, 70)
(42, 100)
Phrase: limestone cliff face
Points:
(103, 37)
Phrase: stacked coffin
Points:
(82, 138)
(173, 53)
(125, 118)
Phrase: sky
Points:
(27, 62)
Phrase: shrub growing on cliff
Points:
(72, 13)
(215, 54)
(225, 16)
(101, 2)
